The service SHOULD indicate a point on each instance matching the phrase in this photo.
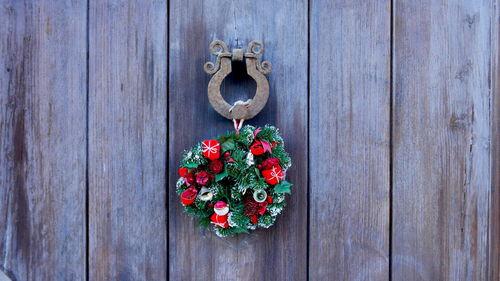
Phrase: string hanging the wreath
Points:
(238, 124)
(236, 182)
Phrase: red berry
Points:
(254, 219)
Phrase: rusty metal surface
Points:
(240, 110)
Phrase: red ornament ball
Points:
(202, 178)
(216, 166)
(269, 163)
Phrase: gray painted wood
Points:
(42, 139)
(494, 216)
(127, 140)
(441, 138)
(445, 138)
(278, 253)
(349, 140)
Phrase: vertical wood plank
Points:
(349, 140)
(441, 157)
(42, 139)
(494, 216)
(278, 253)
(127, 140)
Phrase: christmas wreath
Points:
(235, 183)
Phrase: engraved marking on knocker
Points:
(240, 110)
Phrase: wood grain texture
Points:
(278, 253)
(441, 138)
(42, 139)
(445, 138)
(349, 140)
(494, 217)
(127, 140)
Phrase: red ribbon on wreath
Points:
(259, 147)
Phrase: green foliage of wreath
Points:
(243, 173)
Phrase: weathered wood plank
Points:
(42, 139)
(278, 253)
(494, 221)
(349, 140)
(127, 140)
(441, 130)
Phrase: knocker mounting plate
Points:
(240, 110)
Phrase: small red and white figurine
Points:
(219, 218)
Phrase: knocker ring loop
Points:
(240, 110)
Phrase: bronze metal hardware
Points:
(240, 110)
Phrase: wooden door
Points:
(389, 109)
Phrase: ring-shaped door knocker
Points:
(240, 110)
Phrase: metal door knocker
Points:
(240, 110)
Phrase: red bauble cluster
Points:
(196, 178)
(270, 167)
(271, 170)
